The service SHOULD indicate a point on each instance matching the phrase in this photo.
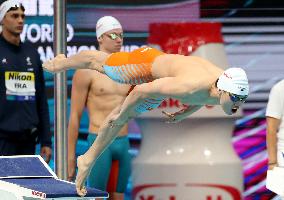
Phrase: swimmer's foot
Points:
(83, 171)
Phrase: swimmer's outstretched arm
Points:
(89, 59)
(159, 88)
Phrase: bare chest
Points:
(104, 86)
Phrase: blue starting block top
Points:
(24, 166)
(32, 173)
(55, 188)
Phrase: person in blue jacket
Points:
(24, 115)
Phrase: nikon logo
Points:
(19, 76)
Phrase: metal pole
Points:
(60, 92)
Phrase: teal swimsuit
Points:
(116, 151)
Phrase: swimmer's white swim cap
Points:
(106, 24)
(235, 81)
(5, 6)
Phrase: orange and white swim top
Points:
(132, 68)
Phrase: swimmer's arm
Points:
(168, 87)
(79, 95)
(271, 140)
(89, 59)
(159, 88)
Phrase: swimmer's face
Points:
(14, 19)
(230, 102)
(111, 41)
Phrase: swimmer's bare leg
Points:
(86, 161)
(108, 131)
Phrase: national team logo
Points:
(146, 49)
(241, 88)
(227, 75)
(4, 61)
(28, 59)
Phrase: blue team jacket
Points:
(23, 102)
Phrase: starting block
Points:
(29, 177)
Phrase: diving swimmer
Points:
(192, 80)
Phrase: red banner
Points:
(184, 38)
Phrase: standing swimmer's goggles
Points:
(236, 98)
(113, 36)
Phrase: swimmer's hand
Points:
(53, 65)
(181, 114)
(272, 165)
(172, 117)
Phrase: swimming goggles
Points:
(113, 36)
(236, 98)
